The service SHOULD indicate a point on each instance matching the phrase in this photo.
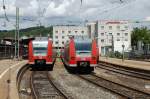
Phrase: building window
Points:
(102, 27)
(82, 32)
(118, 27)
(69, 32)
(56, 36)
(118, 39)
(126, 39)
(56, 32)
(63, 37)
(110, 40)
(63, 42)
(102, 34)
(118, 34)
(56, 42)
(110, 27)
(126, 27)
(102, 40)
(126, 34)
(76, 31)
(110, 33)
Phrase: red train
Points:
(80, 52)
(41, 52)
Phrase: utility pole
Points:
(17, 29)
(16, 36)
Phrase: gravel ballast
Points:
(76, 87)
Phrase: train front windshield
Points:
(40, 49)
(83, 47)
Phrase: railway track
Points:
(43, 87)
(125, 71)
(116, 88)
(20, 74)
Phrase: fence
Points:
(8, 51)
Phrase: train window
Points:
(83, 46)
(40, 51)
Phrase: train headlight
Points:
(93, 58)
(49, 57)
(72, 58)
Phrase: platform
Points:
(127, 63)
(8, 71)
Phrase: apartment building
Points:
(111, 35)
(61, 34)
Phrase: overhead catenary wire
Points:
(120, 6)
(41, 12)
(4, 8)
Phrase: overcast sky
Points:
(71, 11)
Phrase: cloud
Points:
(52, 10)
(23, 3)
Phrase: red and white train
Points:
(41, 52)
(80, 52)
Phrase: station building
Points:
(62, 33)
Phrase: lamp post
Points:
(123, 52)
(107, 46)
(123, 46)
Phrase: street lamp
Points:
(123, 46)
(106, 45)
(123, 52)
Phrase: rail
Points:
(116, 88)
(43, 88)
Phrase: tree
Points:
(34, 31)
(140, 34)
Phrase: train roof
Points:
(42, 39)
(40, 43)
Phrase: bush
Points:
(115, 54)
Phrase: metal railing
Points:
(8, 51)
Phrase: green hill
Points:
(32, 31)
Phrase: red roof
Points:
(113, 22)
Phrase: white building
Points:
(62, 33)
(113, 36)
(91, 29)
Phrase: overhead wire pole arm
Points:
(81, 2)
